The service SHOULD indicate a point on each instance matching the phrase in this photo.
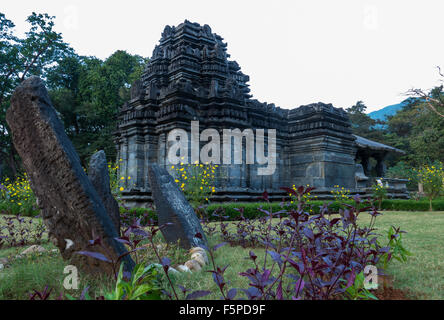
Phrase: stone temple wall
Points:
(189, 78)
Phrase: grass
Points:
(36, 271)
(422, 275)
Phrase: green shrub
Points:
(128, 215)
(432, 179)
(411, 205)
(404, 171)
(251, 208)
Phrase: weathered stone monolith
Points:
(71, 207)
(172, 207)
(99, 176)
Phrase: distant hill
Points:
(391, 110)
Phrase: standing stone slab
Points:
(99, 176)
(71, 207)
(172, 207)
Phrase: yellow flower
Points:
(122, 188)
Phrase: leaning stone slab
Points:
(99, 176)
(71, 208)
(172, 207)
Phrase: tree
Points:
(21, 57)
(362, 125)
(88, 92)
(417, 130)
(433, 99)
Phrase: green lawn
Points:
(422, 275)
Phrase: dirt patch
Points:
(386, 291)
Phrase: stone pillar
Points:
(123, 165)
(380, 165)
(132, 163)
(365, 161)
(162, 150)
(150, 155)
(140, 160)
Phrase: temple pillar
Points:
(380, 165)
(365, 161)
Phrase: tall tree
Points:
(362, 125)
(88, 92)
(20, 57)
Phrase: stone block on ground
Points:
(172, 207)
(33, 249)
(99, 175)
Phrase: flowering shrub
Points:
(114, 180)
(432, 179)
(117, 182)
(306, 196)
(341, 195)
(16, 197)
(197, 181)
(379, 192)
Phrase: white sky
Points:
(295, 52)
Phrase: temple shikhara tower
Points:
(190, 78)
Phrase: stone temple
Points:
(190, 78)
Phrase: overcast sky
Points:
(295, 52)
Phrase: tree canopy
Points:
(86, 91)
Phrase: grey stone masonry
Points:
(190, 78)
